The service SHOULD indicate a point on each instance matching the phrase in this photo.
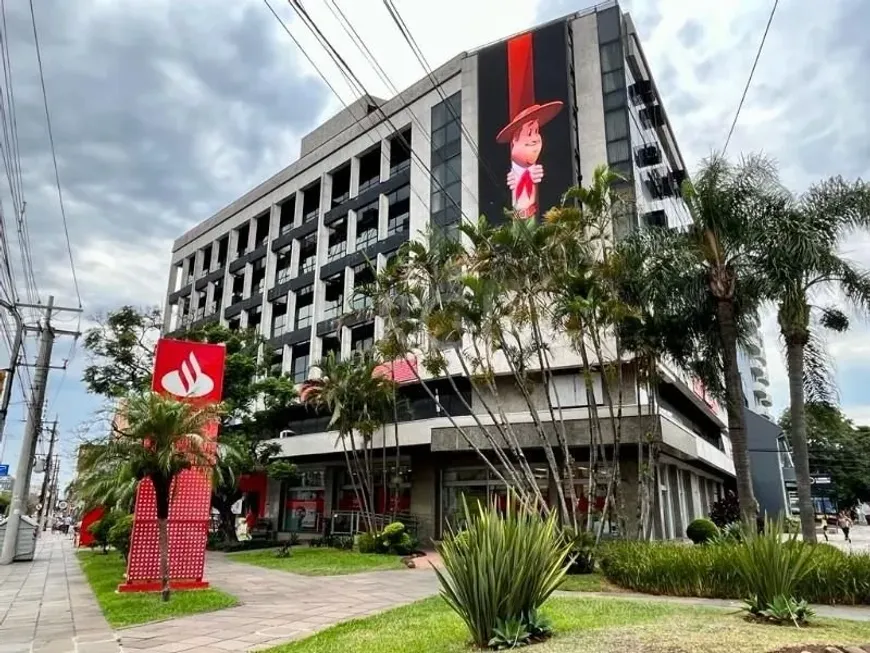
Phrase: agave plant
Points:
(502, 567)
(772, 565)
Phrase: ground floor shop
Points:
(429, 488)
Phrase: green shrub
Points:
(119, 534)
(731, 534)
(702, 531)
(502, 567)
(5, 500)
(835, 577)
(100, 530)
(582, 549)
(366, 542)
(725, 511)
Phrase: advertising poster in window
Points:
(524, 124)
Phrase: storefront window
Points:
(303, 502)
(392, 492)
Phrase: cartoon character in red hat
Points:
(524, 135)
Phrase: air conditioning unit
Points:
(649, 155)
(641, 92)
(286, 433)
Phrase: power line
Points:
(358, 86)
(54, 155)
(751, 73)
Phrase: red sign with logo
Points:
(188, 371)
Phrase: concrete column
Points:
(589, 99)
(344, 336)
(354, 176)
(273, 501)
(383, 213)
(385, 159)
(295, 250)
(252, 234)
(351, 231)
(424, 478)
(297, 209)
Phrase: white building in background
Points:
(752, 362)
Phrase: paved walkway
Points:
(278, 607)
(47, 606)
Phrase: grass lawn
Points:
(582, 626)
(314, 561)
(588, 583)
(106, 572)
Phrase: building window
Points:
(341, 185)
(206, 261)
(307, 253)
(337, 240)
(286, 215)
(276, 362)
(363, 276)
(299, 366)
(311, 202)
(446, 187)
(370, 169)
(217, 294)
(331, 344)
(400, 154)
(255, 318)
(367, 225)
(258, 277)
(333, 296)
(223, 246)
(362, 338)
(242, 235)
(279, 317)
(399, 210)
(190, 266)
(200, 305)
(616, 124)
(282, 264)
(262, 230)
(304, 303)
(618, 151)
(611, 56)
(238, 288)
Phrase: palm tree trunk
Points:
(163, 535)
(161, 499)
(794, 354)
(736, 411)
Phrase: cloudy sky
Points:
(163, 112)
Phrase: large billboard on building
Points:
(524, 123)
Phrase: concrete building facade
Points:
(285, 259)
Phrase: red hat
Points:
(543, 113)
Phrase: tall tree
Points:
(836, 448)
(256, 403)
(157, 438)
(707, 274)
(800, 257)
(360, 398)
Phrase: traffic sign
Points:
(4, 470)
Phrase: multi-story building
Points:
(752, 362)
(285, 257)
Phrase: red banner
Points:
(189, 371)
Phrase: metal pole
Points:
(13, 363)
(34, 421)
(46, 479)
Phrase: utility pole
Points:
(10, 375)
(46, 479)
(33, 427)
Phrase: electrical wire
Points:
(54, 156)
(360, 44)
(350, 76)
(751, 73)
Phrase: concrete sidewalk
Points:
(47, 605)
(277, 607)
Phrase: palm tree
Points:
(103, 481)
(359, 398)
(800, 259)
(706, 275)
(157, 438)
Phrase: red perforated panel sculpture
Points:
(190, 371)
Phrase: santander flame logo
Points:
(189, 380)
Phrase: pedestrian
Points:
(825, 528)
(250, 521)
(845, 525)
